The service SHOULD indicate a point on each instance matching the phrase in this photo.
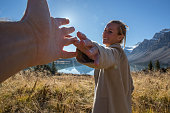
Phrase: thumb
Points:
(37, 8)
(66, 54)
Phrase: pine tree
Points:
(150, 66)
(53, 69)
(157, 65)
(47, 67)
(38, 68)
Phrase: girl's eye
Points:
(110, 31)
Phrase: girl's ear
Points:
(120, 37)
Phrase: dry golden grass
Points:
(152, 92)
(69, 93)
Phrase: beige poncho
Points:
(113, 81)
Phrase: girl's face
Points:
(110, 34)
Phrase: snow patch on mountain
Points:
(130, 48)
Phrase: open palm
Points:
(48, 37)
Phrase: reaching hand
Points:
(48, 37)
(87, 47)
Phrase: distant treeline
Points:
(156, 67)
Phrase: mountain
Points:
(157, 48)
(129, 49)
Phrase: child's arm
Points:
(107, 57)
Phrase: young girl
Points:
(113, 81)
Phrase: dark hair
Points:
(121, 29)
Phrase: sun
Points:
(71, 16)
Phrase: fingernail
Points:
(81, 33)
(67, 20)
(72, 28)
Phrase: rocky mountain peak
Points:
(157, 48)
(160, 34)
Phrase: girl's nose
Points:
(104, 34)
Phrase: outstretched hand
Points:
(48, 37)
(86, 46)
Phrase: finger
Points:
(87, 43)
(81, 36)
(68, 41)
(67, 31)
(66, 54)
(76, 43)
(85, 51)
(79, 45)
(61, 21)
(68, 36)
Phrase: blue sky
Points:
(144, 17)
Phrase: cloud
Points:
(4, 19)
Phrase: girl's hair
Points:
(121, 29)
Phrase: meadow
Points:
(40, 92)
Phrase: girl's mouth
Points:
(104, 38)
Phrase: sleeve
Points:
(107, 57)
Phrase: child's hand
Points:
(87, 47)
